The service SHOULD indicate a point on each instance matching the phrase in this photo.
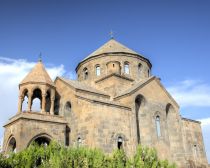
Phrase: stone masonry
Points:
(115, 103)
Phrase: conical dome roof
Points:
(112, 46)
(38, 75)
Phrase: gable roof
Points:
(38, 75)
(81, 86)
(141, 84)
(135, 87)
(116, 75)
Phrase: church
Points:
(115, 103)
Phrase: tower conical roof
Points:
(112, 46)
(38, 75)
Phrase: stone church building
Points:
(115, 103)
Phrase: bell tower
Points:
(37, 84)
(30, 125)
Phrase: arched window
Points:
(98, 70)
(79, 141)
(195, 150)
(148, 71)
(119, 142)
(126, 68)
(139, 69)
(67, 109)
(157, 122)
(85, 71)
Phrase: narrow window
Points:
(126, 68)
(119, 142)
(195, 150)
(85, 71)
(67, 135)
(157, 121)
(139, 68)
(148, 73)
(98, 70)
(79, 141)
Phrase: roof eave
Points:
(94, 56)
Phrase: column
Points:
(52, 99)
(29, 102)
(43, 103)
(20, 102)
(52, 107)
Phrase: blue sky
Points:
(174, 35)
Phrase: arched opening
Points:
(139, 102)
(11, 145)
(139, 69)
(173, 127)
(157, 122)
(67, 109)
(98, 70)
(42, 140)
(85, 72)
(25, 101)
(126, 68)
(57, 104)
(48, 101)
(36, 105)
(36, 100)
(169, 111)
(119, 142)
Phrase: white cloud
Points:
(191, 93)
(194, 93)
(205, 122)
(12, 71)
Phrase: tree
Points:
(57, 156)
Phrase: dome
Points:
(112, 46)
(38, 75)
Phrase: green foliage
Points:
(58, 156)
(4, 162)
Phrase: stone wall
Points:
(98, 122)
(193, 143)
(26, 127)
(104, 59)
